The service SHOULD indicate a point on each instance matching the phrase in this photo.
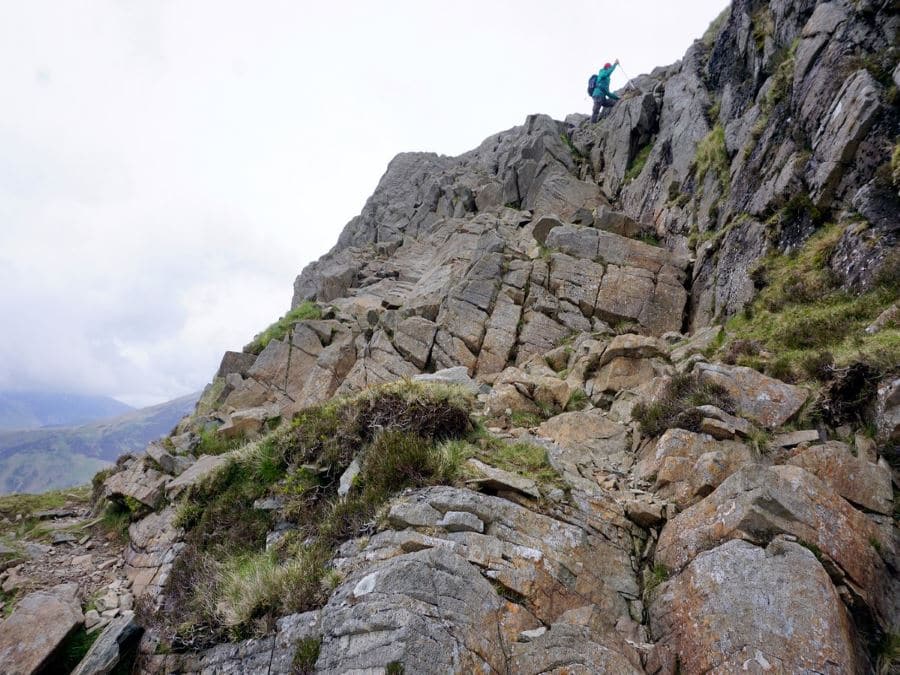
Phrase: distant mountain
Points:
(34, 409)
(35, 460)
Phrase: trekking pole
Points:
(628, 83)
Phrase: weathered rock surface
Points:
(687, 466)
(513, 270)
(739, 607)
(574, 575)
(757, 502)
(138, 482)
(760, 398)
(106, 652)
(857, 480)
(37, 627)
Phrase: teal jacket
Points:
(601, 88)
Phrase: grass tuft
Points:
(639, 161)
(676, 406)
(225, 584)
(713, 156)
(305, 311)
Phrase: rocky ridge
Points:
(573, 278)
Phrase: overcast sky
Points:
(168, 167)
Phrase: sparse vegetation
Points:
(676, 406)
(305, 657)
(577, 401)
(895, 166)
(214, 443)
(525, 420)
(801, 312)
(780, 86)
(763, 25)
(226, 584)
(816, 330)
(887, 653)
(27, 505)
(712, 32)
(305, 311)
(640, 159)
(524, 459)
(712, 156)
(658, 574)
(73, 650)
(115, 521)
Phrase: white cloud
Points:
(167, 168)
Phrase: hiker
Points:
(600, 92)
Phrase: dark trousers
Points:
(600, 102)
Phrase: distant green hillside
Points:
(43, 459)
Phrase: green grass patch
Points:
(887, 653)
(524, 459)
(225, 585)
(27, 505)
(712, 156)
(639, 161)
(305, 311)
(762, 25)
(211, 442)
(801, 312)
(524, 419)
(658, 574)
(895, 166)
(74, 649)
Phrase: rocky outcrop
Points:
(569, 276)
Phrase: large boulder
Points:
(31, 635)
(137, 481)
(588, 441)
(760, 398)
(430, 610)
(857, 480)
(742, 608)
(758, 502)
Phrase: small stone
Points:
(644, 513)
(126, 601)
(110, 613)
(108, 601)
(348, 477)
(865, 446)
(269, 504)
(793, 438)
(33, 550)
(533, 634)
(717, 428)
(461, 521)
(91, 618)
(62, 538)
(82, 560)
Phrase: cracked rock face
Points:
(738, 608)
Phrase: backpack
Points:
(592, 82)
